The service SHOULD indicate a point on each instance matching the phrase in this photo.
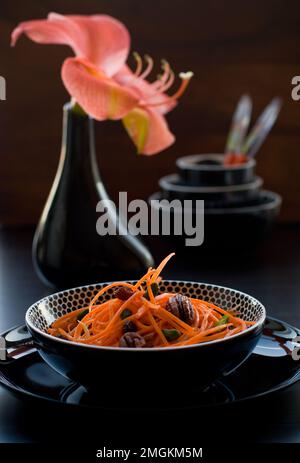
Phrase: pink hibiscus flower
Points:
(99, 80)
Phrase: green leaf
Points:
(125, 313)
(171, 334)
(155, 290)
(223, 320)
(82, 314)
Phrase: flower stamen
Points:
(185, 79)
(163, 77)
(149, 67)
(169, 82)
(139, 63)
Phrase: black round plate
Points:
(270, 368)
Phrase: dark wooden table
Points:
(272, 275)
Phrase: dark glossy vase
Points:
(67, 251)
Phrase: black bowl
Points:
(214, 196)
(229, 228)
(242, 227)
(208, 170)
(155, 369)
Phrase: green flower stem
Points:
(77, 109)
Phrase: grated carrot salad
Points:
(144, 318)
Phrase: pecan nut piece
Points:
(181, 307)
(123, 293)
(132, 340)
(149, 338)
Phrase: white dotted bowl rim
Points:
(255, 301)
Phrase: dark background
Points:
(232, 46)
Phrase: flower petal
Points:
(149, 130)
(100, 39)
(105, 41)
(145, 90)
(98, 95)
(47, 32)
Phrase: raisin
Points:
(123, 293)
(132, 340)
(181, 307)
(129, 326)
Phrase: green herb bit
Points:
(223, 320)
(171, 334)
(155, 290)
(82, 314)
(125, 313)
